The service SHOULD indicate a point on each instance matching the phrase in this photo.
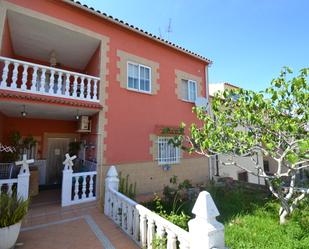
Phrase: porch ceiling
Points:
(33, 38)
(43, 111)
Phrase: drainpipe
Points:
(208, 110)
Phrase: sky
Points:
(249, 41)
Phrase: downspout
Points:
(208, 110)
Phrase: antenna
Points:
(169, 28)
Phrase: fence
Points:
(143, 225)
(20, 185)
(77, 187)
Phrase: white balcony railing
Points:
(33, 78)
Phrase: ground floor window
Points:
(167, 153)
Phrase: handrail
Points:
(7, 181)
(49, 68)
(88, 173)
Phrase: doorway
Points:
(56, 150)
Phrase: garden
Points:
(250, 216)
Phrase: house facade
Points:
(70, 74)
(218, 168)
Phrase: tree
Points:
(274, 122)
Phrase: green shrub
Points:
(12, 209)
(127, 188)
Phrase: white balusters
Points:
(171, 240)
(47, 80)
(34, 79)
(95, 89)
(143, 230)
(51, 82)
(150, 232)
(88, 96)
(5, 74)
(42, 81)
(91, 186)
(67, 85)
(82, 88)
(59, 91)
(84, 187)
(136, 225)
(24, 79)
(76, 189)
(130, 220)
(74, 94)
(15, 75)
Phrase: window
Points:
(189, 90)
(139, 77)
(243, 176)
(167, 153)
(266, 166)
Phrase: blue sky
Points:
(248, 40)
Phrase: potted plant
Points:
(12, 211)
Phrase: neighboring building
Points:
(62, 61)
(218, 169)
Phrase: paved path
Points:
(48, 226)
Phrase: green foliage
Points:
(159, 243)
(20, 144)
(127, 188)
(12, 209)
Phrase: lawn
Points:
(251, 220)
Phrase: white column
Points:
(66, 190)
(5, 74)
(111, 181)
(204, 230)
(23, 177)
(24, 79)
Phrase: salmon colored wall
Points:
(93, 66)
(132, 116)
(37, 127)
(7, 49)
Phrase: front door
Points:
(57, 148)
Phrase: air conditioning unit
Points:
(84, 124)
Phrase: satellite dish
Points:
(201, 102)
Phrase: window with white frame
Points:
(189, 90)
(167, 153)
(139, 77)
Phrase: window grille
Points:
(167, 153)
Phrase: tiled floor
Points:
(49, 226)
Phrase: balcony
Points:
(22, 76)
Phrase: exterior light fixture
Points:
(77, 115)
(24, 113)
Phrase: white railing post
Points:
(23, 178)
(66, 191)
(204, 230)
(111, 181)
(24, 78)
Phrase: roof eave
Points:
(137, 30)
